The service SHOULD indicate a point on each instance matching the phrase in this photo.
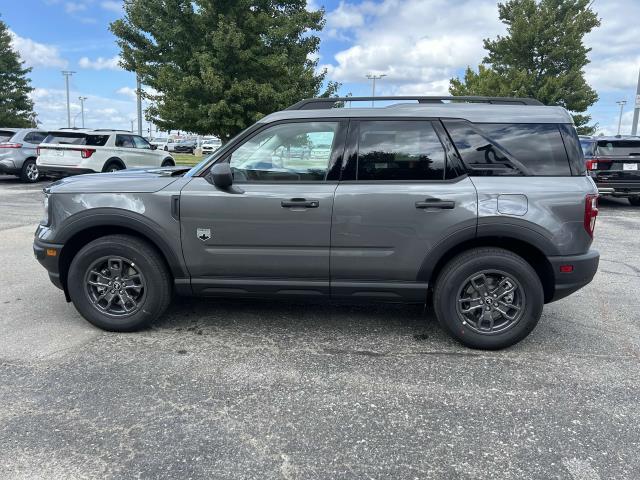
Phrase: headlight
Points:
(45, 203)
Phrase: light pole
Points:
(74, 119)
(139, 103)
(67, 74)
(622, 104)
(132, 126)
(82, 99)
(636, 110)
(374, 77)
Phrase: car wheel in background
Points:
(635, 201)
(29, 172)
(488, 298)
(119, 283)
(113, 166)
(166, 149)
(167, 162)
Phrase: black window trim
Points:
(335, 159)
(349, 172)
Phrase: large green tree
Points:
(219, 65)
(542, 56)
(16, 107)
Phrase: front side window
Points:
(141, 143)
(399, 150)
(286, 152)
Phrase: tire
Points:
(113, 166)
(454, 283)
(166, 149)
(150, 292)
(29, 172)
(167, 162)
(635, 201)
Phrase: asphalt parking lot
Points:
(229, 389)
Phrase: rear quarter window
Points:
(498, 149)
(6, 135)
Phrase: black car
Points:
(614, 164)
(185, 146)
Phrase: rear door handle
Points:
(436, 203)
(299, 203)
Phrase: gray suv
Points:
(479, 206)
(18, 152)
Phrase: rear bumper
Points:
(49, 262)
(63, 171)
(584, 269)
(619, 189)
(9, 167)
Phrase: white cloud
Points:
(127, 92)
(412, 41)
(100, 63)
(36, 54)
(75, 7)
(112, 6)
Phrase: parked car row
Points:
(186, 145)
(30, 153)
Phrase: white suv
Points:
(68, 152)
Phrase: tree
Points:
(16, 107)
(541, 56)
(218, 66)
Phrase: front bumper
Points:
(43, 253)
(619, 189)
(584, 269)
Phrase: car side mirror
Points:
(222, 177)
(154, 147)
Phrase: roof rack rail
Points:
(110, 130)
(330, 102)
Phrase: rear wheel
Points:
(29, 172)
(119, 283)
(113, 166)
(488, 298)
(167, 162)
(635, 201)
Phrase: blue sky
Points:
(418, 44)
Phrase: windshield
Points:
(619, 147)
(159, 139)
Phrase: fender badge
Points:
(203, 234)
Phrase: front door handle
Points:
(299, 203)
(436, 203)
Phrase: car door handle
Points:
(299, 203)
(436, 203)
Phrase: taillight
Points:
(10, 145)
(598, 164)
(87, 152)
(590, 213)
(38, 151)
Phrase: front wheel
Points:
(635, 201)
(488, 298)
(29, 172)
(119, 283)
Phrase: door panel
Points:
(382, 232)
(253, 236)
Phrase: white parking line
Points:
(580, 469)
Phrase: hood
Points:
(140, 180)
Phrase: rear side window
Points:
(6, 135)
(124, 141)
(399, 150)
(97, 140)
(35, 137)
(510, 148)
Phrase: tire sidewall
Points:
(153, 298)
(452, 281)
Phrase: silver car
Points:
(18, 152)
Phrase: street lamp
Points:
(374, 77)
(67, 74)
(622, 104)
(82, 99)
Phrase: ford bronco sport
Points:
(478, 205)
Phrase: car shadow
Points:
(615, 203)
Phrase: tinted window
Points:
(619, 147)
(35, 137)
(96, 140)
(287, 152)
(64, 138)
(587, 147)
(6, 135)
(141, 143)
(124, 141)
(399, 150)
(511, 149)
